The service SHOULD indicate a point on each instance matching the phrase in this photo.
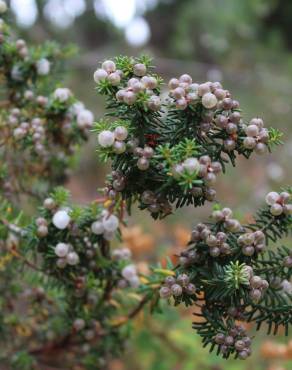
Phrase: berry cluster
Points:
(202, 167)
(130, 276)
(235, 339)
(245, 281)
(40, 123)
(257, 136)
(252, 243)
(211, 95)
(176, 286)
(224, 217)
(179, 149)
(258, 287)
(114, 139)
(144, 155)
(106, 225)
(141, 87)
(66, 255)
(217, 242)
(73, 241)
(279, 203)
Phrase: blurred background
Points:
(247, 45)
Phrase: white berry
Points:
(129, 272)
(108, 66)
(110, 223)
(43, 67)
(134, 282)
(85, 118)
(97, 228)
(272, 198)
(119, 147)
(79, 324)
(61, 249)
(209, 100)
(154, 103)
(61, 219)
(276, 209)
(114, 78)
(139, 69)
(100, 75)
(106, 138)
(191, 165)
(62, 94)
(121, 133)
(72, 258)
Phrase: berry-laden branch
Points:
(41, 122)
(77, 291)
(239, 279)
(173, 154)
(170, 150)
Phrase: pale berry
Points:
(129, 97)
(272, 198)
(100, 75)
(209, 100)
(109, 66)
(72, 258)
(173, 83)
(134, 282)
(85, 119)
(276, 209)
(249, 142)
(61, 249)
(106, 138)
(49, 203)
(261, 148)
(185, 78)
(119, 147)
(151, 83)
(79, 324)
(61, 219)
(154, 103)
(43, 67)
(129, 272)
(252, 130)
(204, 89)
(139, 69)
(183, 279)
(97, 228)
(164, 292)
(148, 152)
(191, 165)
(143, 164)
(176, 290)
(137, 87)
(110, 223)
(114, 79)
(229, 144)
(178, 93)
(181, 103)
(120, 95)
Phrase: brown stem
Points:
(134, 312)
